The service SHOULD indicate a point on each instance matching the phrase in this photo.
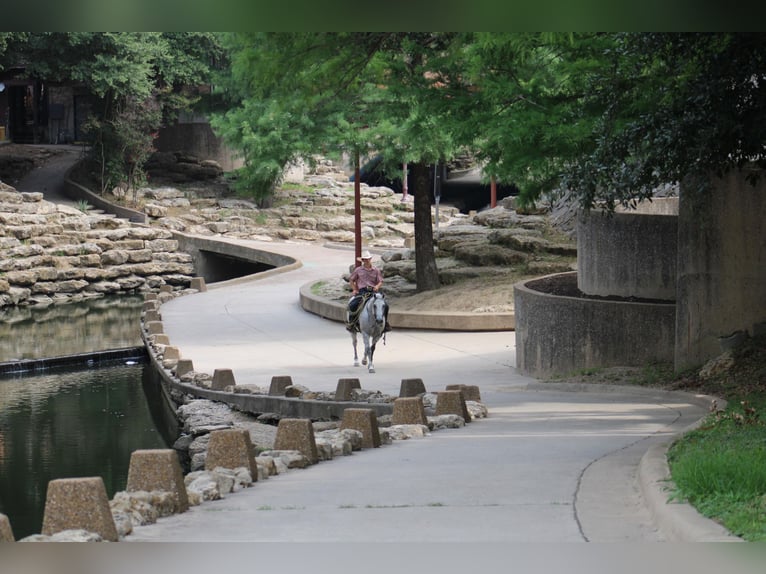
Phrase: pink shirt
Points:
(366, 277)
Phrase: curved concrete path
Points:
(549, 464)
(48, 178)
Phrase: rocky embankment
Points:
(51, 253)
(318, 205)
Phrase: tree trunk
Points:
(426, 272)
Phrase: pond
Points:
(75, 423)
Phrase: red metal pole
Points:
(493, 192)
(357, 211)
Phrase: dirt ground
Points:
(481, 295)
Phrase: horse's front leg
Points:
(370, 352)
(353, 340)
(366, 341)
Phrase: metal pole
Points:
(357, 210)
(404, 181)
(437, 195)
(493, 192)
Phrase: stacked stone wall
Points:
(51, 253)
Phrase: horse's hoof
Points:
(370, 370)
(364, 361)
(356, 363)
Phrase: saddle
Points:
(352, 324)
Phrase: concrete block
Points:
(151, 305)
(183, 367)
(171, 353)
(158, 469)
(154, 327)
(6, 533)
(198, 283)
(344, 388)
(409, 411)
(470, 392)
(366, 422)
(452, 403)
(166, 288)
(231, 448)
(297, 434)
(278, 385)
(78, 504)
(151, 297)
(161, 339)
(412, 388)
(152, 316)
(222, 378)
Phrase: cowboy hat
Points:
(365, 255)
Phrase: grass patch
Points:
(260, 218)
(720, 468)
(290, 186)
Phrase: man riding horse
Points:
(364, 280)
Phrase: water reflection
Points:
(74, 424)
(33, 332)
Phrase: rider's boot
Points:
(349, 324)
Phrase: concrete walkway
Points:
(549, 464)
(48, 178)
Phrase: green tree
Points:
(139, 79)
(393, 94)
(612, 116)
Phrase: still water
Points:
(74, 423)
(70, 329)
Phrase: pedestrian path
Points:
(48, 178)
(549, 464)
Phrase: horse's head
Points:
(379, 307)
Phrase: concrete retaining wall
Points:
(197, 139)
(630, 253)
(258, 404)
(446, 321)
(77, 192)
(722, 266)
(207, 257)
(561, 335)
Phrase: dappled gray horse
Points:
(372, 321)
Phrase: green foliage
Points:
(83, 205)
(123, 143)
(139, 79)
(612, 116)
(720, 468)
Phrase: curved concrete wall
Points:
(560, 335)
(77, 192)
(631, 253)
(258, 404)
(204, 250)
